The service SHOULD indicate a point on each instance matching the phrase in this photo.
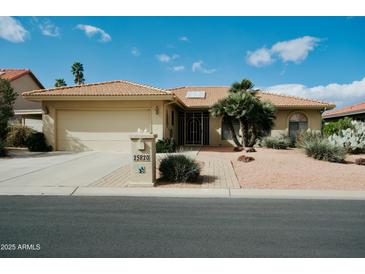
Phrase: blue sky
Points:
(317, 57)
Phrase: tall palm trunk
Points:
(242, 128)
(245, 132)
(253, 136)
(233, 132)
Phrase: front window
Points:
(297, 122)
(226, 132)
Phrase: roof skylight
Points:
(195, 94)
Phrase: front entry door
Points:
(194, 128)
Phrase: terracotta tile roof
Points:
(13, 74)
(111, 88)
(354, 109)
(213, 94)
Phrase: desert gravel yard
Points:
(291, 169)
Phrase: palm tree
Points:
(255, 117)
(244, 86)
(77, 70)
(60, 83)
(241, 106)
(219, 110)
(261, 121)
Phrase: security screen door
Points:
(194, 128)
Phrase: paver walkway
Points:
(216, 173)
(117, 178)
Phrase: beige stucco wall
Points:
(280, 127)
(169, 127)
(159, 124)
(20, 85)
(50, 119)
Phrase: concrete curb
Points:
(152, 192)
(35, 190)
(298, 194)
(184, 193)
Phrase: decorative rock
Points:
(250, 149)
(245, 159)
(360, 161)
(238, 149)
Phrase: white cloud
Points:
(340, 94)
(198, 67)
(49, 29)
(135, 52)
(12, 30)
(184, 39)
(175, 56)
(165, 58)
(178, 68)
(260, 57)
(91, 31)
(295, 50)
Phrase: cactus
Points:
(352, 139)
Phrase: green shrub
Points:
(322, 149)
(331, 128)
(304, 137)
(2, 149)
(179, 168)
(166, 146)
(279, 142)
(37, 142)
(18, 135)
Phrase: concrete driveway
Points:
(57, 169)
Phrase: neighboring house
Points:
(101, 116)
(26, 112)
(356, 112)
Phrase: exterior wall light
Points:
(46, 110)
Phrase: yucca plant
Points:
(322, 149)
(308, 136)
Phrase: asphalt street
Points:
(50, 226)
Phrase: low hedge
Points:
(179, 168)
(18, 135)
(2, 149)
(37, 142)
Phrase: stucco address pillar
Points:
(143, 169)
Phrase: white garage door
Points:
(100, 130)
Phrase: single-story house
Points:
(26, 112)
(101, 116)
(356, 112)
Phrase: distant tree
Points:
(60, 83)
(77, 70)
(7, 99)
